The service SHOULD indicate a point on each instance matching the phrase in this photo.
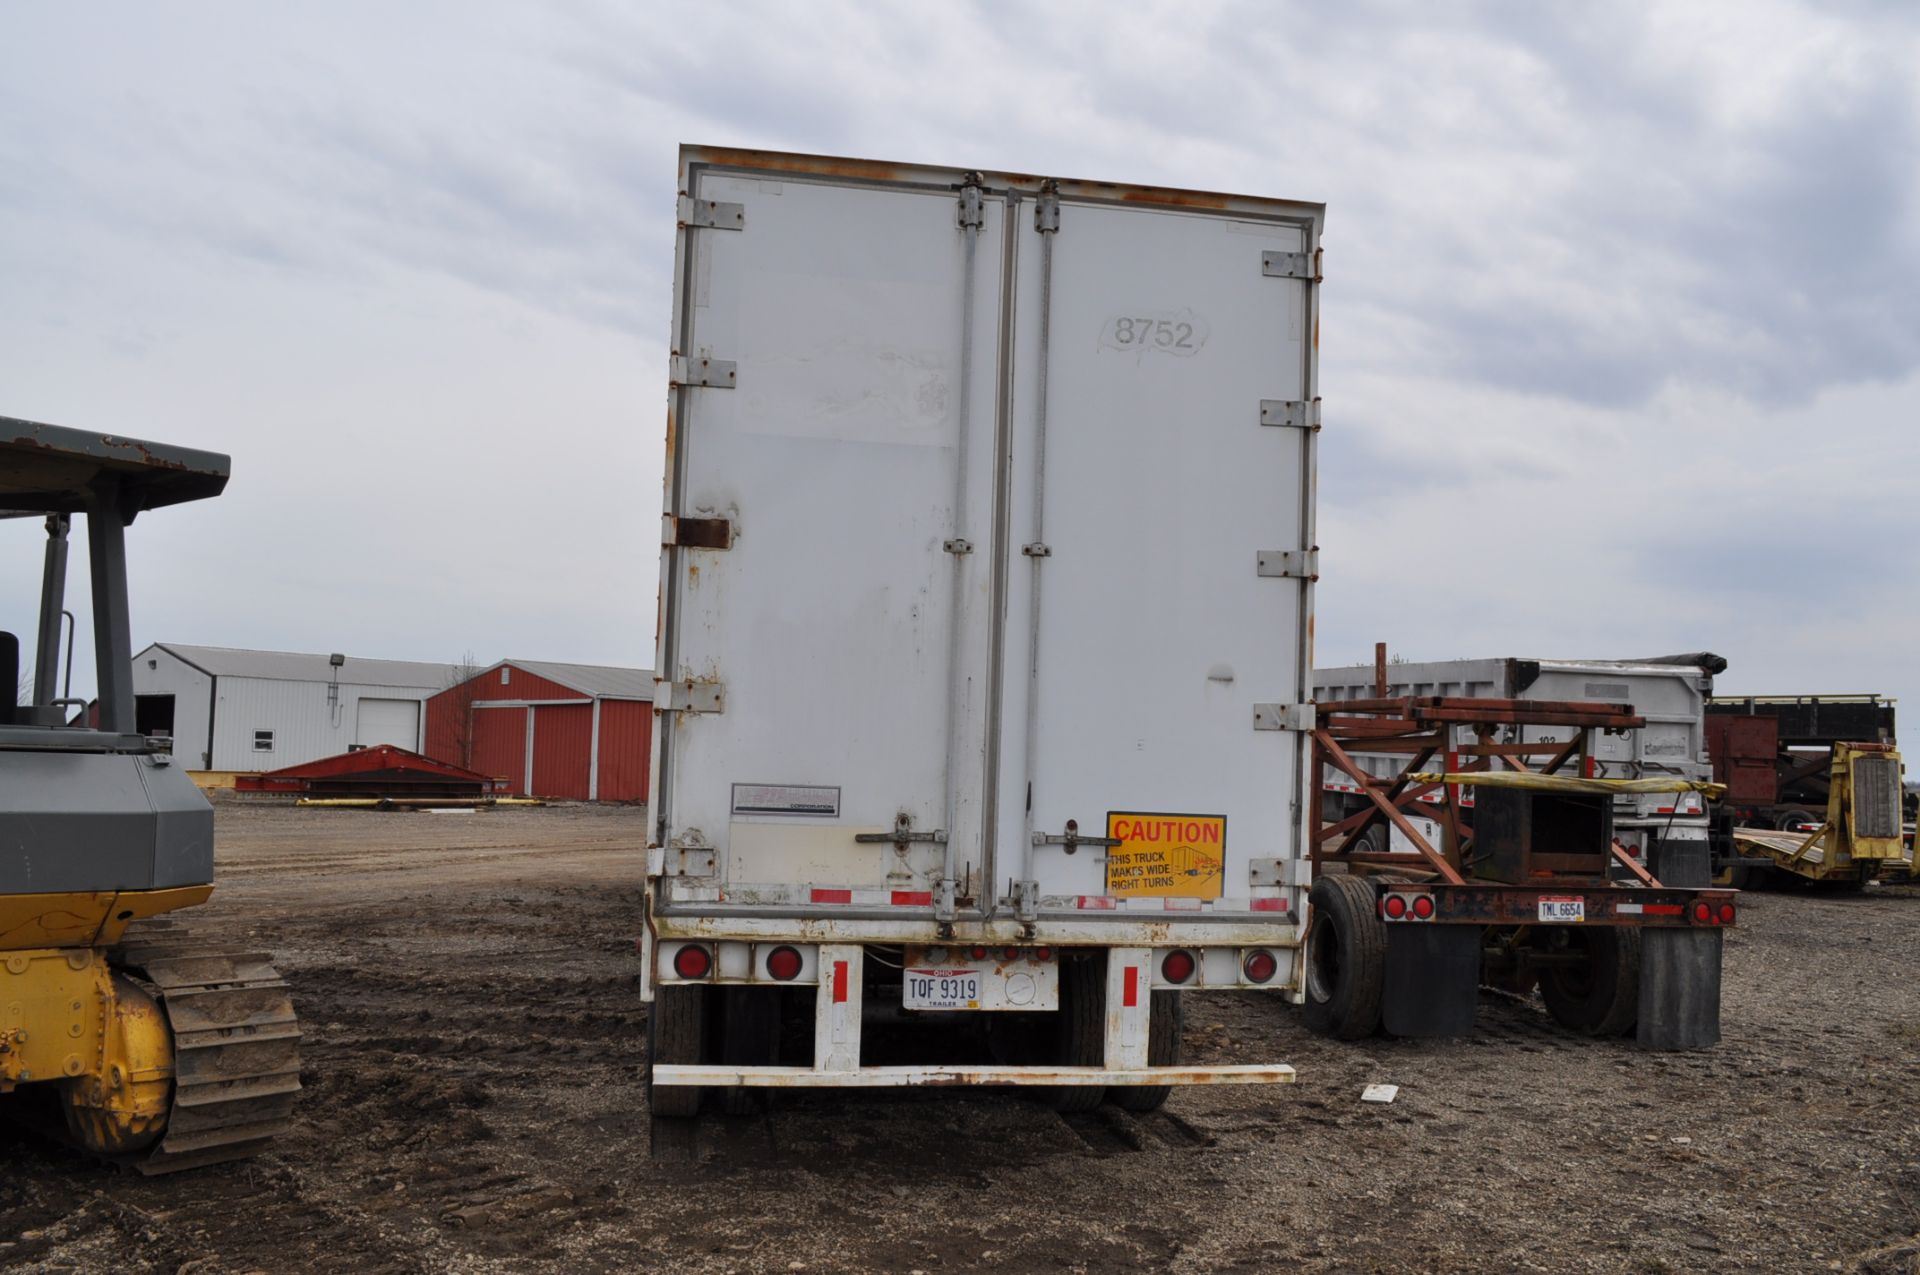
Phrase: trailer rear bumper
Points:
(912, 1077)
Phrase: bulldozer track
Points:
(236, 1045)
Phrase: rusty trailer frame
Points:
(1548, 886)
(1421, 727)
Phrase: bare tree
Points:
(462, 688)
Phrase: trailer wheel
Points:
(749, 1037)
(676, 1033)
(1082, 1029)
(1166, 1017)
(1346, 958)
(1598, 996)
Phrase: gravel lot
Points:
(472, 1103)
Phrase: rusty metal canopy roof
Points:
(52, 469)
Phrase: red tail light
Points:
(978, 953)
(1042, 953)
(1395, 906)
(1423, 906)
(784, 964)
(1703, 913)
(1260, 967)
(1177, 967)
(692, 961)
(1726, 914)
(1011, 953)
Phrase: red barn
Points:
(577, 731)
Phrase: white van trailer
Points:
(1670, 692)
(986, 610)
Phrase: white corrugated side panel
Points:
(305, 726)
(190, 689)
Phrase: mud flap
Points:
(1679, 988)
(1433, 980)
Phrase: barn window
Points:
(263, 741)
(506, 676)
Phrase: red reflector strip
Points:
(832, 896)
(913, 898)
(839, 982)
(1131, 996)
(1096, 901)
(1269, 905)
(1665, 909)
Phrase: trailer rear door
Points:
(823, 632)
(1162, 589)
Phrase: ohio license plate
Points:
(1561, 911)
(942, 989)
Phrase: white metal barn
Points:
(234, 710)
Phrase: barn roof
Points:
(296, 666)
(591, 679)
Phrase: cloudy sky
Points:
(1621, 343)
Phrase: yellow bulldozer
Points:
(156, 1051)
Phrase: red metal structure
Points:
(1524, 888)
(579, 732)
(381, 771)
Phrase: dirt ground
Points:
(472, 1103)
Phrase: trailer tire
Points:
(1346, 961)
(749, 1037)
(1600, 996)
(1166, 1018)
(1082, 1029)
(676, 1033)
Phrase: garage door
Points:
(500, 745)
(388, 721)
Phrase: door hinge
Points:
(688, 855)
(1283, 717)
(1071, 838)
(902, 835)
(1299, 413)
(718, 373)
(1046, 208)
(973, 202)
(1291, 265)
(698, 533)
(689, 697)
(1037, 550)
(958, 547)
(711, 214)
(1291, 564)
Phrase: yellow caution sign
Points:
(1166, 856)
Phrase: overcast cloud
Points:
(1621, 342)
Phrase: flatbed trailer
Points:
(1520, 890)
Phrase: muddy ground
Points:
(472, 1104)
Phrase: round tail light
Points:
(1010, 954)
(978, 953)
(1177, 967)
(1702, 913)
(1423, 906)
(692, 961)
(1726, 914)
(1042, 953)
(784, 964)
(1395, 906)
(1260, 967)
